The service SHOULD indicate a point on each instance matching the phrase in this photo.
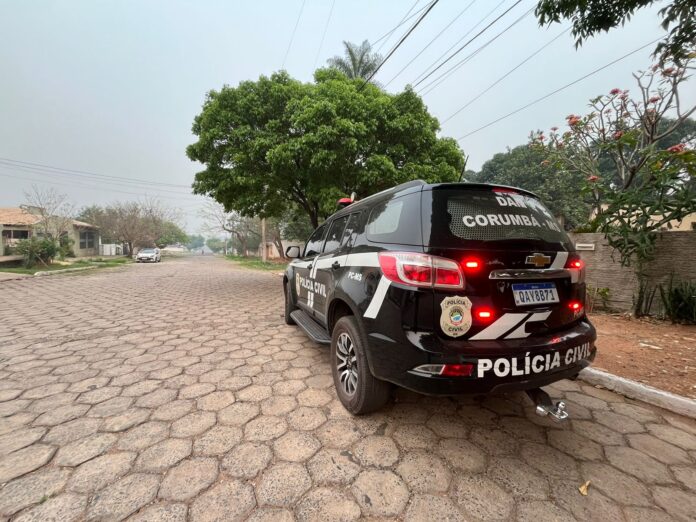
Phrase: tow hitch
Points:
(545, 406)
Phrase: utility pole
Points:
(263, 240)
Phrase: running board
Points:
(545, 406)
(314, 330)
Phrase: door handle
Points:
(336, 265)
(310, 267)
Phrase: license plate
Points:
(527, 294)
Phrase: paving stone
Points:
(333, 467)
(247, 460)
(518, 478)
(673, 435)
(615, 484)
(658, 449)
(31, 489)
(306, 418)
(549, 461)
(73, 430)
(264, 428)
(522, 429)
(597, 433)
(448, 426)
(163, 455)
(432, 508)
(424, 472)
(124, 497)
(24, 460)
(20, 439)
(540, 511)
(82, 450)
(686, 475)
(323, 504)
(125, 420)
(156, 398)
(380, 493)
(678, 503)
(193, 424)
(61, 414)
(296, 446)
(143, 436)
(194, 391)
(278, 405)
(173, 410)
(215, 505)
(575, 445)
(99, 395)
(618, 422)
(111, 407)
(188, 478)
(254, 393)
(639, 514)
(638, 464)
(269, 514)
(376, 450)
(462, 454)
(97, 473)
(163, 512)
(67, 507)
(44, 391)
(239, 413)
(480, 497)
(636, 412)
(585, 400)
(215, 401)
(282, 484)
(217, 441)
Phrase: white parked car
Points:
(146, 255)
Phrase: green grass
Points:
(255, 263)
(80, 263)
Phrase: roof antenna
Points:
(461, 175)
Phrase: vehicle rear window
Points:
(454, 216)
(396, 221)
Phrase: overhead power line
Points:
(323, 36)
(138, 181)
(440, 79)
(431, 41)
(570, 84)
(294, 30)
(398, 44)
(455, 44)
(455, 53)
(403, 20)
(472, 100)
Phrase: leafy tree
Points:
(276, 143)
(649, 186)
(590, 17)
(170, 234)
(195, 242)
(358, 61)
(35, 250)
(529, 168)
(215, 244)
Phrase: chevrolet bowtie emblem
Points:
(538, 260)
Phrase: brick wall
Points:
(675, 253)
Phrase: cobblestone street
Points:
(175, 392)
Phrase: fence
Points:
(675, 254)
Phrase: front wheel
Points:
(357, 389)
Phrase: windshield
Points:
(148, 250)
(471, 218)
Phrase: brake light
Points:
(472, 264)
(505, 190)
(423, 270)
(577, 265)
(457, 370)
(484, 314)
(575, 306)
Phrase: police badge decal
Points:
(455, 319)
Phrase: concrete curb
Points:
(635, 390)
(53, 272)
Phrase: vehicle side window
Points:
(350, 228)
(313, 247)
(396, 221)
(333, 240)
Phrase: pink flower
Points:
(618, 134)
(614, 91)
(668, 72)
(554, 129)
(592, 179)
(573, 119)
(679, 147)
(654, 99)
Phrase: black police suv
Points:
(443, 289)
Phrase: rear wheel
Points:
(289, 305)
(357, 389)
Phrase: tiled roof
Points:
(17, 216)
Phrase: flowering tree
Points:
(636, 186)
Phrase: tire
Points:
(358, 390)
(289, 305)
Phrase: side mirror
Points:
(292, 252)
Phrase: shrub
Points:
(65, 247)
(35, 250)
(679, 301)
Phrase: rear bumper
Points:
(498, 365)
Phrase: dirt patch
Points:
(656, 353)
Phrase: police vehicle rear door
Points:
(328, 266)
(304, 270)
(522, 276)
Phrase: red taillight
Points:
(576, 264)
(484, 314)
(575, 306)
(472, 264)
(415, 269)
(457, 370)
(577, 267)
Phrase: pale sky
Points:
(111, 87)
